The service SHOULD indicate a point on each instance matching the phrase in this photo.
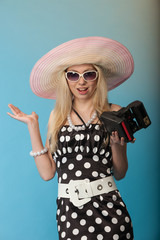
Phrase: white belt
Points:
(81, 191)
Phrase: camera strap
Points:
(79, 117)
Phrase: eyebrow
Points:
(88, 69)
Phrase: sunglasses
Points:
(88, 76)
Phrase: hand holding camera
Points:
(127, 120)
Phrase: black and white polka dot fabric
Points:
(82, 155)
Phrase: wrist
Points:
(39, 153)
(33, 124)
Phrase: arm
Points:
(119, 152)
(45, 164)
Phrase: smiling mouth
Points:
(82, 90)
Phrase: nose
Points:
(81, 81)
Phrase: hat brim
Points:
(111, 55)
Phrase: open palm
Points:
(20, 116)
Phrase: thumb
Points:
(35, 114)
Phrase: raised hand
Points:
(22, 117)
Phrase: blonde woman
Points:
(78, 74)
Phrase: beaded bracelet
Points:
(35, 154)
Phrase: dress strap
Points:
(79, 117)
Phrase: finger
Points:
(14, 109)
(122, 141)
(33, 113)
(11, 106)
(19, 118)
(116, 134)
(116, 137)
(113, 134)
(133, 141)
(17, 110)
(13, 116)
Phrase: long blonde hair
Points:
(64, 105)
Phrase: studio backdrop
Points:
(28, 30)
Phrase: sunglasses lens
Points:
(72, 76)
(90, 76)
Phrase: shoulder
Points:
(115, 107)
(51, 115)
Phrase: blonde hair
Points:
(64, 105)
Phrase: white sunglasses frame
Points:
(82, 75)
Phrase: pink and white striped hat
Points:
(111, 55)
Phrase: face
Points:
(82, 89)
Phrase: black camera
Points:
(127, 120)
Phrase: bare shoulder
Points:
(51, 115)
(115, 107)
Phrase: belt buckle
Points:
(73, 193)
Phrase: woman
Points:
(78, 147)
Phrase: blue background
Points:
(28, 30)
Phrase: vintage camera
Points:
(127, 120)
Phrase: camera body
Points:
(127, 120)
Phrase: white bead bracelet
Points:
(35, 154)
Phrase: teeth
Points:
(82, 89)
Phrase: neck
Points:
(83, 106)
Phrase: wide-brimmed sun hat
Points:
(113, 57)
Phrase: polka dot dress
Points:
(82, 155)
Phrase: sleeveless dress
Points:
(83, 155)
